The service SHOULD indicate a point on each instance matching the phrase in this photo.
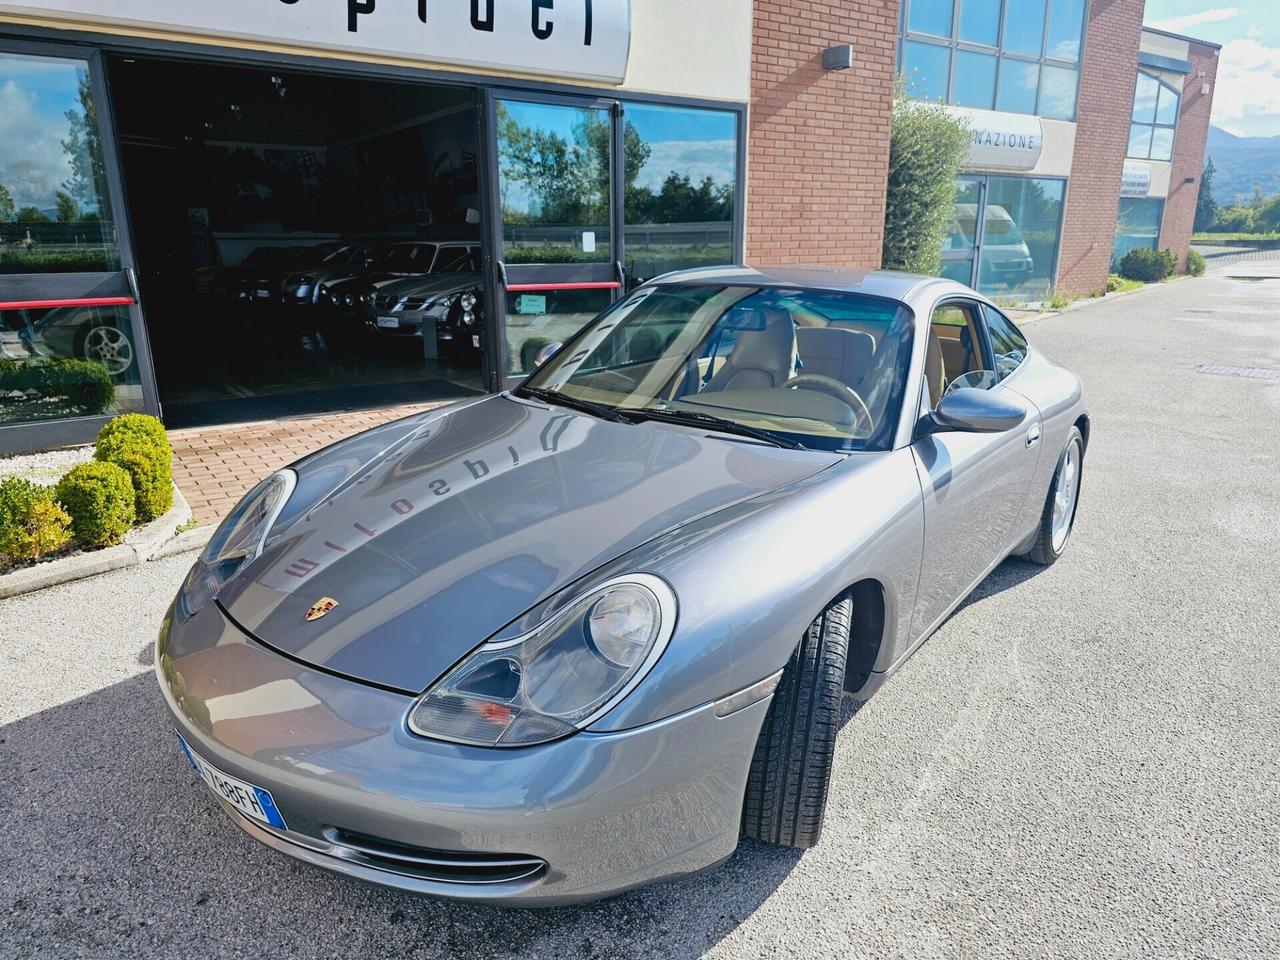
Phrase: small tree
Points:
(928, 148)
(8, 212)
(68, 209)
(1206, 203)
(31, 215)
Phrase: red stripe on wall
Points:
(532, 287)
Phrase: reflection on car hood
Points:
(469, 522)
(428, 284)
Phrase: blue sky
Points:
(1247, 99)
(34, 97)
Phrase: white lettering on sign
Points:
(585, 39)
(1004, 141)
(1137, 179)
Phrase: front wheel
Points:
(1058, 517)
(787, 788)
(109, 346)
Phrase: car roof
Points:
(874, 283)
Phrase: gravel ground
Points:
(1083, 761)
(47, 467)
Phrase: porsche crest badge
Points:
(321, 608)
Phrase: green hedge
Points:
(1196, 264)
(32, 522)
(1149, 266)
(44, 389)
(138, 444)
(57, 261)
(100, 499)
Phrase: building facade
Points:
(264, 208)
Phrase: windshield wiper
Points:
(695, 418)
(603, 411)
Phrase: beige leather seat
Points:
(935, 370)
(761, 359)
(843, 355)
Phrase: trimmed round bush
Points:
(73, 387)
(1196, 263)
(1148, 266)
(138, 444)
(32, 523)
(99, 497)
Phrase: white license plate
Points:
(263, 294)
(254, 802)
(391, 322)
(475, 341)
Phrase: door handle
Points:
(1033, 435)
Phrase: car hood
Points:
(430, 284)
(472, 519)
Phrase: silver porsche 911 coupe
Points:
(552, 644)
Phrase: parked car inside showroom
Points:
(446, 305)
(305, 286)
(552, 644)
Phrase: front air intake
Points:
(440, 865)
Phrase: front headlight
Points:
(559, 677)
(468, 301)
(237, 541)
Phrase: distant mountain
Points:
(1242, 163)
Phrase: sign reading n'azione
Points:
(582, 39)
(1002, 141)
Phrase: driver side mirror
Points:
(969, 410)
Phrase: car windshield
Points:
(821, 369)
(411, 257)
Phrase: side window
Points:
(954, 355)
(1007, 342)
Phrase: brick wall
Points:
(1188, 153)
(818, 147)
(1110, 71)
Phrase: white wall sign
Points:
(1003, 141)
(584, 39)
(1137, 179)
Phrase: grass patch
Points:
(1235, 238)
(189, 524)
(1119, 284)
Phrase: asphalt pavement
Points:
(1083, 762)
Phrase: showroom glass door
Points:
(960, 245)
(72, 347)
(557, 228)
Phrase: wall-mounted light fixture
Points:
(838, 58)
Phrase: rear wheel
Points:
(1058, 517)
(787, 788)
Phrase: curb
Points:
(1084, 302)
(157, 539)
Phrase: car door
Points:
(974, 484)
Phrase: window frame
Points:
(954, 44)
(978, 319)
(1155, 124)
(990, 342)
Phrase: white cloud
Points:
(32, 161)
(1191, 20)
(697, 158)
(1248, 89)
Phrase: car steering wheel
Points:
(840, 391)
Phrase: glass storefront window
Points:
(67, 362)
(1024, 27)
(931, 16)
(1036, 43)
(975, 80)
(927, 67)
(553, 181)
(1155, 118)
(1066, 26)
(1137, 227)
(1018, 82)
(535, 320)
(1058, 86)
(54, 213)
(1022, 222)
(959, 245)
(980, 21)
(680, 180)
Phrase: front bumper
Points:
(592, 815)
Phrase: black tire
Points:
(787, 788)
(1044, 552)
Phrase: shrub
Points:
(32, 523)
(137, 443)
(99, 497)
(1195, 263)
(926, 151)
(1149, 266)
(64, 387)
